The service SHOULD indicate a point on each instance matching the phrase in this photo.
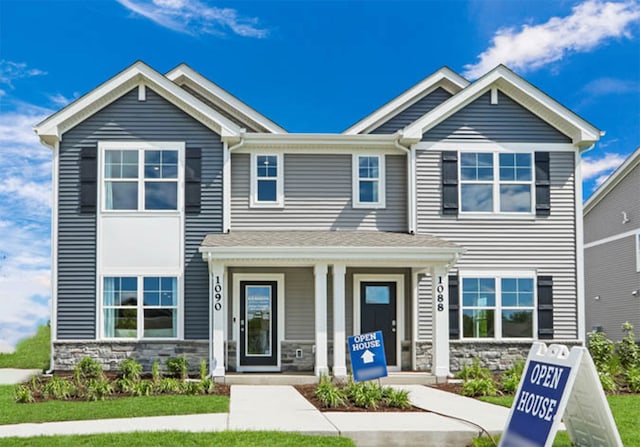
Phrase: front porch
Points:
(283, 301)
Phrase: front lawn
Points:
(155, 439)
(623, 406)
(30, 353)
(55, 410)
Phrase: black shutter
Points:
(454, 307)
(192, 176)
(543, 184)
(450, 182)
(88, 175)
(545, 307)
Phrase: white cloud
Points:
(59, 100)
(195, 18)
(611, 86)
(590, 24)
(10, 71)
(599, 167)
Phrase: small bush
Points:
(169, 386)
(130, 369)
(601, 349)
(178, 367)
(142, 388)
(98, 389)
(155, 372)
(479, 387)
(330, 395)
(397, 398)
(632, 378)
(191, 388)
(511, 377)
(23, 394)
(87, 369)
(57, 388)
(204, 371)
(364, 394)
(473, 371)
(208, 385)
(608, 381)
(627, 349)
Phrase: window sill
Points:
(133, 213)
(369, 206)
(267, 205)
(496, 216)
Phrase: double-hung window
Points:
(498, 307)
(140, 179)
(496, 183)
(266, 185)
(140, 307)
(368, 185)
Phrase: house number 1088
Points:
(440, 295)
(217, 297)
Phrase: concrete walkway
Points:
(282, 408)
(10, 376)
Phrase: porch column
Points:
(339, 340)
(440, 288)
(217, 303)
(320, 272)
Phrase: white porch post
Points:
(320, 272)
(440, 322)
(217, 303)
(339, 352)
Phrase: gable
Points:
(506, 121)
(414, 111)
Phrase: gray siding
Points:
(317, 196)
(545, 244)
(505, 121)
(128, 119)
(610, 273)
(605, 219)
(414, 111)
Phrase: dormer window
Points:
(368, 181)
(267, 188)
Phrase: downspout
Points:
(411, 182)
(226, 181)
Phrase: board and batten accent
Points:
(318, 196)
(128, 119)
(414, 111)
(546, 244)
(506, 121)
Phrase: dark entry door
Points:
(258, 323)
(378, 313)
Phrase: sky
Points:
(309, 66)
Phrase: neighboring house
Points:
(612, 251)
(185, 222)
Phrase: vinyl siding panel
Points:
(318, 196)
(610, 273)
(605, 219)
(128, 119)
(506, 121)
(544, 244)
(414, 111)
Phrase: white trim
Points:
(638, 252)
(55, 181)
(613, 238)
(214, 92)
(579, 235)
(320, 319)
(444, 77)
(400, 297)
(279, 202)
(440, 330)
(492, 146)
(415, 295)
(355, 184)
(497, 275)
(339, 320)
(237, 278)
(226, 189)
(315, 141)
(413, 191)
(582, 132)
(494, 95)
(142, 93)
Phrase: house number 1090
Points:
(440, 295)
(217, 297)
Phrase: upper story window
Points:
(140, 179)
(496, 182)
(266, 184)
(368, 187)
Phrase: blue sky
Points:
(309, 66)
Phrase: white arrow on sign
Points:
(367, 357)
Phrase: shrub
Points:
(208, 385)
(473, 371)
(155, 372)
(479, 387)
(632, 377)
(627, 349)
(601, 349)
(511, 377)
(191, 388)
(57, 388)
(23, 394)
(87, 369)
(330, 395)
(364, 394)
(142, 388)
(608, 381)
(169, 386)
(98, 389)
(204, 371)
(178, 367)
(130, 369)
(396, 398)
(125, 385)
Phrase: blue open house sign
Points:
(368, 361)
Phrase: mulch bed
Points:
(308, 391)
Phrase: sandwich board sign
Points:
(368, 361)
(558, 384)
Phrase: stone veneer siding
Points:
(110, 353)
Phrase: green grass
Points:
(624, 409)
(14, 413)
(223, 439)
(30, 353)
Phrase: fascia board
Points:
(211, 88)
(618, 175)
(313, 139)
(138, 73)
(409, 97)
(585, 131)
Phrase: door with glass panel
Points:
(378, 313)
(258, 323)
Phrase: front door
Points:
(378, 313)
(258, 325)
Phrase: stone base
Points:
(424, 355)
(66, 354)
